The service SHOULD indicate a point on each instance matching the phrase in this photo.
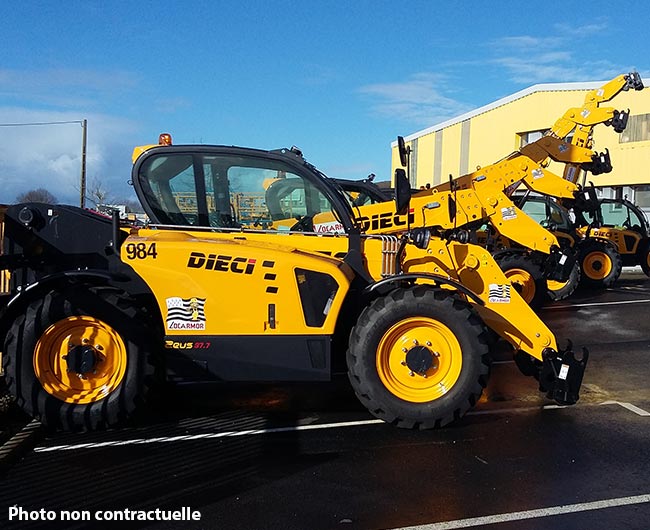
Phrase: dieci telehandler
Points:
(235, 283)
(569, 141)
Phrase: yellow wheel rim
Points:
(597, 265)
(426, 337)
(554, 285)
(77, 338)
(523, 282)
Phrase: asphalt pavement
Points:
(311, 457)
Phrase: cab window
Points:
(227, 191)
(170, 190)
(618, 214)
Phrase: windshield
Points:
(621, 214)
(547, 213)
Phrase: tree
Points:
(37, 195)
(97, 193)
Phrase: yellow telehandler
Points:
(273, 286)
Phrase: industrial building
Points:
(481, 137)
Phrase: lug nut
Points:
(429, 343)
(411, 374)
(415, 342)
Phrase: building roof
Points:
(544, 87)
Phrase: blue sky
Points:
(338, 79)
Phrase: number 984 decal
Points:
(140, 250)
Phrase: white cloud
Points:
(49, 156)
(530, 59)
(420, 99)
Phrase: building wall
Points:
(492, 132)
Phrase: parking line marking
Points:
(252, 432)
(568, 306)
(532, 514)
(628, 406)
(205, 436)
(295, 428)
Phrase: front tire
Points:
(418, 357)
(78, 360)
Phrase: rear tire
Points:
(526, 276)
(600, 263)
(561, 290)
(643, 257)
(77, 360)
(444, 340)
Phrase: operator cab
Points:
(622, 213)
(233, 188)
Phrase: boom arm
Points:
(528, 165)
(581, 120)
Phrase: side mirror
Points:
(404, 151)
(402, 192)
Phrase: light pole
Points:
(82, 198)
(84, 131)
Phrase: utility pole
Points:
(84, 135)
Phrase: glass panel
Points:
(170, 190)
(558, 218)
(536, 210)
(637, 129)
(614, 214)
(262, 194)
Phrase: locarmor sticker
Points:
(499, 294)
(508, 213)
(185, 313)
(538, 173)
(331, 227)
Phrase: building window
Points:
(642, 196)
(413, 163)
(530, 137)
(637, 130)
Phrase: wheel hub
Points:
(82, 359)
(420, 359)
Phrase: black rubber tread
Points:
(509, 261)
(569, 287)
(113, 307)
(594, 245)
(642, 256)
(444, 307)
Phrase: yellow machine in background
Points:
(568, 141)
